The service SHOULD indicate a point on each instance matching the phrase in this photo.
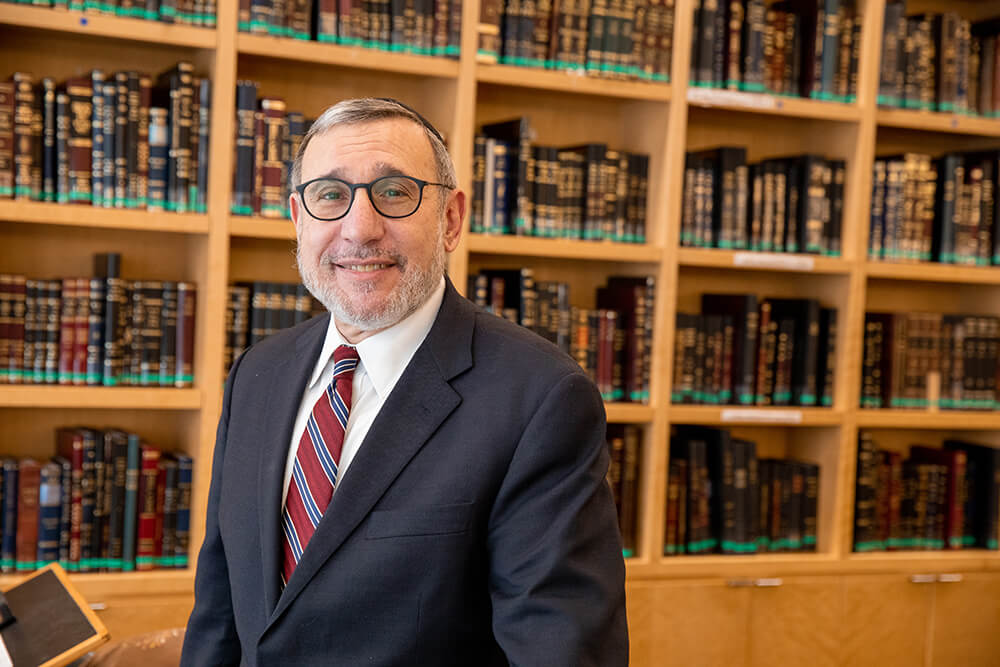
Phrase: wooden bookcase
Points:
(832, 606)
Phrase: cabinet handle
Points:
(98, 606)
(739, 583)
(768, 582)
(923, 578)
(949, 578)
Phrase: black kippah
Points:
(426, 123)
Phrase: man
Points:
(461, 517)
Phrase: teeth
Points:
(365, 267)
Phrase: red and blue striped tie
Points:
(314, 474)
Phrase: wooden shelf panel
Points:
(763, 261)
(146, 583)
(931, 121)
(734, 414)
(261, 228)
(923, 419)
(104, 218)
(317, 53)
(569, 82)
(933, 272)
(141, 398)
(606, 251)
(629, 413)
(98, 25)
(794, 107)
(737, 568)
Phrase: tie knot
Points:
(345, 358)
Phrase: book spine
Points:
(184, 359)
(200, 178)
(271, 163)
(26, 538)
(151, 333)
(48, 91)
(96, 304)
(24, 151)
(131, 513)
(183, 524)
(6, 139)
(146, 516)
(67, 331)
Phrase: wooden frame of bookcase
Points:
(218, 235)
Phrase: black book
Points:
(200, 205)
(805, 313)
(866, 479)
(117, 442)
(826, 362)
(48, 92)
(246, 103)
(743, 310)
(722, 474)
(107, 266)
(516, 134)
(983, 475)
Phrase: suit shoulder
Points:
(519, 349)
(285, 342)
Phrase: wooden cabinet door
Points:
(967, 620)
(886, 620)
(687, 623)
(799, 622)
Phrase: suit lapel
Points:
(275, 422)
(420, 402)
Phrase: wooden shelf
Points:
(629, 413)
(569, 82)
(139, 398)
(105, 218)
(924, 419)
(317, 53)
(606, 251)
(735, 568)
(795, 107)
(98, 25)
(730, 415)
(762, 261)
(261, 228)
(147, 582)
(933, 272)
(932, 121)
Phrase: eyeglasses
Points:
(391, 196)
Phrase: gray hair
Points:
(368, 109)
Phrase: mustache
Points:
(362, 252)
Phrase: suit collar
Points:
(414, 410)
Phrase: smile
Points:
(365, 267)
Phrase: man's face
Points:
(371, 271)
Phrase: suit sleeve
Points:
(210, 638)
(557, 577)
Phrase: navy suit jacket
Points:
(474, 526)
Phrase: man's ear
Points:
(295, 210)
(454, 213)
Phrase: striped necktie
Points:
(314, 474)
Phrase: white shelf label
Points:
(763, 416)
(774, 260)
(711, 97)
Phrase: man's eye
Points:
(393, 192)
(332, 195)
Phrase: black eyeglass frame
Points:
(354, 187)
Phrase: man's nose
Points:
(363, 223)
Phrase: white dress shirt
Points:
(383, 358)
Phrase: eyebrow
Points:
(381, 169)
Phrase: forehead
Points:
(359, 150)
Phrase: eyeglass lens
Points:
(395, 196)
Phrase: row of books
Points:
(919, 360)
(612, 342)
(267, 138)
(182, 12)
(585, 192)
(625, 39)
(793, 204)
(744, 351)
(802, 49)
(937, 498)
(122, 140)
(939, 62)
(624, 444)
(425, 27)
(258, 309)
(942, 210)
(722, 498)
(108, 502)
(97, 331)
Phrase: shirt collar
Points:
(385, 355)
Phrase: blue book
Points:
(49, 514)
(185, 465)
(131, 502)
(65, 507)
(8, 544)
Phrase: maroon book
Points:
(186, 297)
(28, 481)
(15, 331)
(80, 91)
(6, 139)
(145, 553)
(81, 325)
(69, 445)
(67, 330)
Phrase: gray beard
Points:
(416, 285)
